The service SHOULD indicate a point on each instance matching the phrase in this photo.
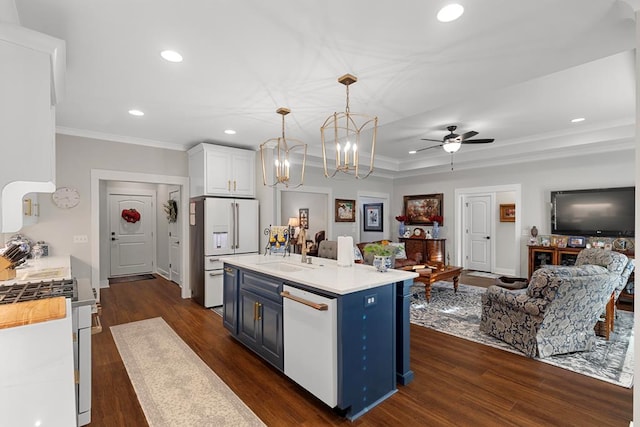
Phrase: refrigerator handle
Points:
(233, 225)
(237, 232)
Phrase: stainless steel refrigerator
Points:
(217, 227)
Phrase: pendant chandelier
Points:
(289, 158)
(348, 135)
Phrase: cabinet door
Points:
(567, 257)
(229, 299)
(218, 173)
(248, 324)
(270, 318)
(539, 258)
(243, 169)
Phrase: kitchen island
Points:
(342, 333)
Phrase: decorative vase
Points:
(436, 230)
(382, 263)
(401, 229)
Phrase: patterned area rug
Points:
(458, 314)
(174, 386)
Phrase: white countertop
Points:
(46, 268)
(323, 274)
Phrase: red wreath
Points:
(131, 215)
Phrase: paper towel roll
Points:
(345, 251)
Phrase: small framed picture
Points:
(508, 212)
(576, 242)
(303, 218)
(372, 213)
(545, 240)
(345, 210)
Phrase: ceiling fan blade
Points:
(468, 135)
(478, 141)
(429, 139)
(427, 148)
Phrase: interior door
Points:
(131, 242)
(175, 253)
(478, 220)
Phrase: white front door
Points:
(131, 241)
(175, 252)
(477, 232)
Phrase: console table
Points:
(432, 250)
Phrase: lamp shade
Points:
(294, 222)
(451, 146)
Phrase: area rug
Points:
(134, 278)
(458, 314)
(174, 386)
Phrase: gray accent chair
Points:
(558, 310)
(328, 249)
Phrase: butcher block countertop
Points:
(29, 312)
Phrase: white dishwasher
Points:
(310, 342)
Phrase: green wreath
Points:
(171, 208)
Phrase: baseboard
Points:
(163, 273)
(104, 283)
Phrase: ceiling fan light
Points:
(451, 147)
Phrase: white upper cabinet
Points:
(216, 170)
(31, 83)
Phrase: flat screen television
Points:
(608, 212)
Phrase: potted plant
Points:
(383, 254)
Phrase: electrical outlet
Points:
(81, 238)
(370, 300)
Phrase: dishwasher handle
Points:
(320, 307)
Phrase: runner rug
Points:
(458, 314)
(174, 386)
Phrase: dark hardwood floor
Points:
(457, 382)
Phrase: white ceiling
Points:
(514, 70)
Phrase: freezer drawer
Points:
(310, 342)
(213, 287)
(213, 263)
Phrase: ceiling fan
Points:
(451, 142)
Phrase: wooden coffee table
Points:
(428, 276)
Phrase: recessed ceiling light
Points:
(171, 56)
(579, 119)
(450, 12)
(412, 152)
(230, 132)
(136, 113)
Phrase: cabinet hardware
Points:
(255, 310)
(27, 207)
(234, 185)
(228, 269)
(321, 307)
(229, 185)
(214, 259)
(75, 336)
(76, 376)
(259, 311)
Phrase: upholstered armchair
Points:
(557, 312)
(328, 249)
(319, 237)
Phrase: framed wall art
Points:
(304, 218)
(373, 216)
(508, 212)
(345, 210)
(420, 209)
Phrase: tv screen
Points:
(606, 212)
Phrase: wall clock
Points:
(65, 197)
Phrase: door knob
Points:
(177, 242)
(488, 237)
(114, 238)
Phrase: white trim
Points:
(120, 138)
(460, 193)
(98, 175)
(307, 189)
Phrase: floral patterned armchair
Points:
(557, 312)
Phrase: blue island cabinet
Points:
(365, 333)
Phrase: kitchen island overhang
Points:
(366, 352)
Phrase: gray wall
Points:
(538, 179)
(75, 158)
